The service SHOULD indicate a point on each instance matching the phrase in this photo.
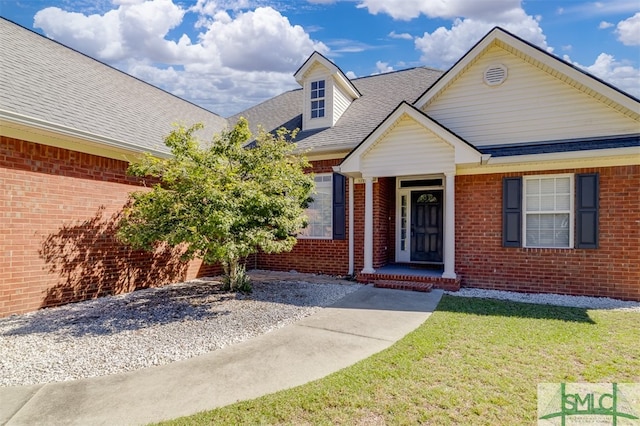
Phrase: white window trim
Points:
(318, 99)
(330, 237)
(571, 177)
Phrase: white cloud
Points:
(401, 36)
(472, 19)
(620, 74)
(604, 25)
(351, 75)
(629, 31)
(443, 47)
(237, 60)
(382, 67)
(409, 9)
(262, 40)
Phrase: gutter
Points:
(36, 123)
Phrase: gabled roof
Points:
(463, 151)
(381, 94)
(46, 85)
(539, 57)
(334, 70)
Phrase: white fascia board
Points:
(36, 123)
(629, 152)
(334, 71)
(346, 84)
(498, 35)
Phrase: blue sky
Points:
(227, 55)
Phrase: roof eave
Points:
(36, 123)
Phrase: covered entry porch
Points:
(406, 171)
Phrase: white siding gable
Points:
(317, 72)
(407, 148)
(341, 102)
(535, 103)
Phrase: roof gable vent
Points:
(495, 75)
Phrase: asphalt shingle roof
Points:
(44, 80)
(381, 94)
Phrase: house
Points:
(69, 125)
(512, 170)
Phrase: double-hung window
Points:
(548, 211)
(317, 99)
(320, 210)
(551, 211)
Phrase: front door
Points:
(426, 225)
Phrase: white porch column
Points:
(368, 226)
(449, 226)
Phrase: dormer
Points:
(327, 92)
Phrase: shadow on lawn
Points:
(504, 308)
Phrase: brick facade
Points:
(58, 211)
(311, 255)
(612, 270)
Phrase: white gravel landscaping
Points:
(154, 326)
(550, 299)
(157, 326)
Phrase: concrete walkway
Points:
(356, 327)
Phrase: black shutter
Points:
(512, 212)
(339, 207)
(587, 194)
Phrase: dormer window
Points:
(327, 92)
(317, 99)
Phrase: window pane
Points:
(563, 185)
(563, 202)
(320, 211)
(547, 202)
(547, 230)
(547, 211)
(533, 203)
(547, 186)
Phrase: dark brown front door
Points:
(426, 226)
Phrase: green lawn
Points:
(474, 361)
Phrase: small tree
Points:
(221, 203)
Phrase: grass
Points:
(474, 361)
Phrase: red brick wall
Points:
(58, 211)
(332, 257)
(384, 202)
(612, 270)
(312, 255)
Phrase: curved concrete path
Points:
(359, 325)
